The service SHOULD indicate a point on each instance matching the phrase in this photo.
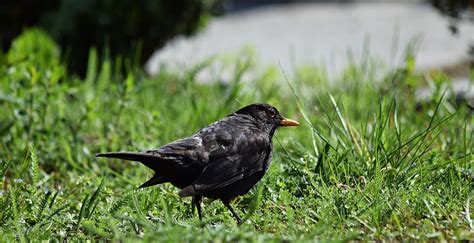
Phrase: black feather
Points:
(221, 161)
(155, 180)
(133, 156)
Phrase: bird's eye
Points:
(271, 113)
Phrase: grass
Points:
(369, 163)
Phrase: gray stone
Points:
(322, 35)
(461, 88)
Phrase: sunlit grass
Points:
(369, 162)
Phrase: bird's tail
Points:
(134, 156)
(148, 159)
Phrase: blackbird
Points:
(221, 161)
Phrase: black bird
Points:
(221, 161)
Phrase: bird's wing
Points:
(180, 155)
(239, 153)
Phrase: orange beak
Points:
(288, 122)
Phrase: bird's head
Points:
(268, 116)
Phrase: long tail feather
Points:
(134, 156)
(148, 159)
(156, 179)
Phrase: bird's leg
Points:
(196, 202)
(236, 216)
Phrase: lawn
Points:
(370, 161)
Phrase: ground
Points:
(369, 162)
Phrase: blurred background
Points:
(279, 32)
(334, 33)
(435, 35)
